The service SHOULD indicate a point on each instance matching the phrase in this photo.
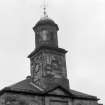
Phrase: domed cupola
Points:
(46, 32)
(46, 21)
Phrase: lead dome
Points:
(45, 21)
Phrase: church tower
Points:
(48, 64)
(48, 83)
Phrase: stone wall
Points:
(16, 99)
(84, 102)
(57, 101)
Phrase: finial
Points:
(44, 8)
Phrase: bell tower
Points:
(47, 61)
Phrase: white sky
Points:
(82, 33)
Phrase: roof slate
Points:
(25, 86)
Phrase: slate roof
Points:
(82, 95)
(27, 87)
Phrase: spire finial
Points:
(44, 8)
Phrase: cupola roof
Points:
(46, 21)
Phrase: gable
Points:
(58, 91)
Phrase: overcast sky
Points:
(82, 33)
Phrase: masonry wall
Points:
(16, 99)
(68, 101)
(84, 102)
(57, 101)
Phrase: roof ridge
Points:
(36, 86)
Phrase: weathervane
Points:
(44, 8)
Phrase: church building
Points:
(48, 83)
